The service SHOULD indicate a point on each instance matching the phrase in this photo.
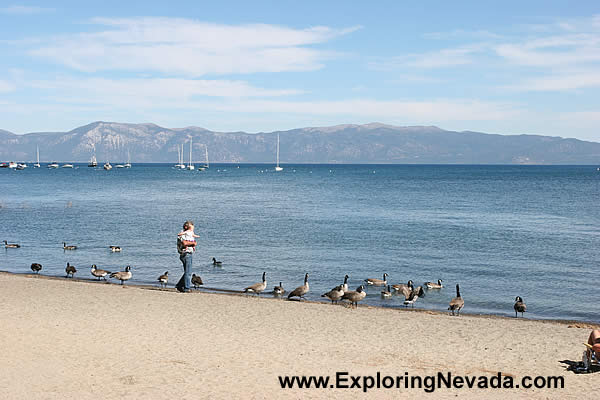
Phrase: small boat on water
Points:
(93, 163)
(67, 166)
(53, 165)
(37, 163)
(128, 163)
(107, 166)
(180, 164)
(191, 166)
(206, 164)
(21, 166)
(277, 167)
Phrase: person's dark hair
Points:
(187, 224)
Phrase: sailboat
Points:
(93, 163)
(180, 164)
(277, 167)
(191, 166)
(128, 165)
(37, 164)
(53, 165)
(206, 164)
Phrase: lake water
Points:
(499, 231)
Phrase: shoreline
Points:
(268, 296)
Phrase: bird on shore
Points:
(11, 245)
(377, 282)
(345, 284)
(433, 285)
(404, 288)
(300, 291)
(217, 263)
(70, 247)
(414, 296)
(99, 273)
(519, 306)
(259, 287)
(386, 293)
(163, 279)
(70, 270)
(355, 296)
(115, 249)
(278, 290)
(196, 281)
(335, 294)
(35, 267)
(122, 275)
(457, 303)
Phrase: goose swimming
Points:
(11, 245)
(377, 282)
(433, 285)
(71, 247)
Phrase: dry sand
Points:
(63, 339)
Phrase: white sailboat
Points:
(128, 165)
(191, 166)
(93, 163)
(206, 164)
(277, 167)
(68, 165)
(53, 165)
(37, 164)
(180, 164)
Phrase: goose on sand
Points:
(196, 281)
(71, 247)
(335, 294)
(259, 287)
(457, 303)
(122, 275)
(35, 267)
(433, 285)
(278, 290)
(377, 282)
(300, 291)
(70, 270)
(11, 245)
(519, 306)
(355, 296)
(163, 279)
(99, 273)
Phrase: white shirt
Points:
(189, 236)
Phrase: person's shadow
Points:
(577, 367)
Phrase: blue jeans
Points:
(186, 279)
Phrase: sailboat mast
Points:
(278, 150)
(38, 154)
(206, 152)
(191, 140)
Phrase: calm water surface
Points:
(499, 231)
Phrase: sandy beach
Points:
(64, 339)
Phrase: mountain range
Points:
(352, 144)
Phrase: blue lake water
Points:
(499, 231)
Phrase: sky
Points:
(508, 67)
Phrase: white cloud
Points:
(564, 81)
(24, 10)
(6, 86)
(189, 47)
(442, 58)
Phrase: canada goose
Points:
(377, 282)
(278, 290)
(35, 267)
(217, 263)
(433, 285)
(457, 303)
(196, 281)
(122, 275)
(355, 296)
(345, 284)
(65, 247)
(414, 296)
(70, 270)
(11, 245)
(335, 294)
(163, 279)
(300, 291)
(115, 249)
(519, 306)
(258, 287)
(404, 288)
(99, 273)
(387, 292)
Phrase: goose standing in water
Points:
(122, 275)
(11, 245)
(70, 270)
(414, 296)
(35, 267)
(115, 249)
(457, 303)
(355, 296)
(433, 285)
(386, 293)
(71, 247)
(345, 284)
(217, 263)
(335, 294)
(377, 282)
(278, 290)
(163, 279)
(300, 291)
(404, 288)
(259, 287)
(519, 306)
(196, 281)
(99, 273)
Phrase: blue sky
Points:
(524, 67)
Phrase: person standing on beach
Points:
(186, 245)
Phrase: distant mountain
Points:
(370, 143)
